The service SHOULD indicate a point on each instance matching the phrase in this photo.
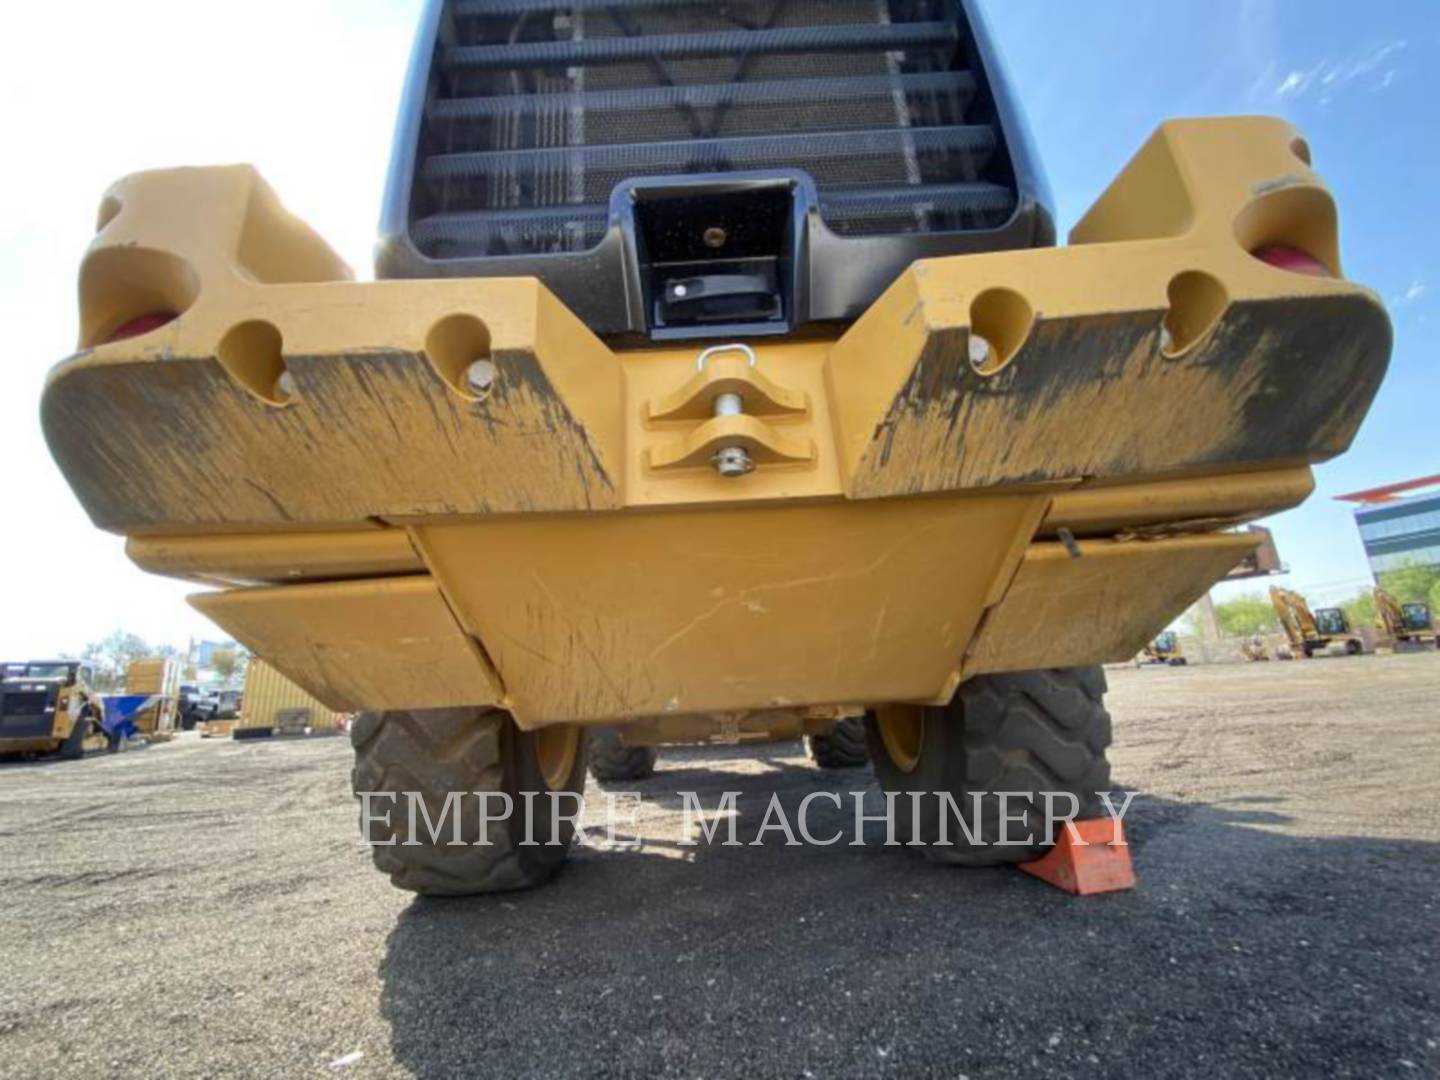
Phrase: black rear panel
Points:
(526, 117)
(27, 714)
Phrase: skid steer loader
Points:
(49, 708)
(722, 374)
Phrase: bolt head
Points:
(284, 386)
(480, 377)
(980, 351)
(732, 461)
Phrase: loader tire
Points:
(843, 747)
(1030, 732)
(73, 748)
(611, 760)
(468, 750)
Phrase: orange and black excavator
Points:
(1404, 622)
(1312, 631)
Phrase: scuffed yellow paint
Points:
(555, 540)
(387, 643)
(1063, 611)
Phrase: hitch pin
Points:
(731, 460)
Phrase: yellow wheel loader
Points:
(1404, 623)
(723, 375)
(1309, 631)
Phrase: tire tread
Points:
(1034, 731)
(844, 746)
(435, 753)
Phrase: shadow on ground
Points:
(1245, 951)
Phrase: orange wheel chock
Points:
(1089, 856)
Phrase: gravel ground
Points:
(203, 908)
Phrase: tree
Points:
(228, 663)
(1411, 582)
(112, 655)
(1360, 609)
(1246, 614)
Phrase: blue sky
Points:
(1362, 83)
(153, 83)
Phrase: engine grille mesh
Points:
(538, 109)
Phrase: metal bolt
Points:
(980, 352)
(715, 237)
(732, 461)
(284, 387)
(480, 377)
(729, 460)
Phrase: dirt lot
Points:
(205, 909)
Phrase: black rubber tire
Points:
(73, 748)
(843, 748)
(612, 761)
(1353, 647)
(1031, 732)
(436, 751)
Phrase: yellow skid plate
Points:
(455, 493)
(609, 615)
(377, 644)
(1098, 602)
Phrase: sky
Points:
(1361, 82)
(307, 90)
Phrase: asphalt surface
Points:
(204, 909)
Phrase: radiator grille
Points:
(537, 109)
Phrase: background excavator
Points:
(1404, 622)
(1312, 631)
(1165, 649)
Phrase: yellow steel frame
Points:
(1012, 460)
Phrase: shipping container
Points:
(273, 701)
